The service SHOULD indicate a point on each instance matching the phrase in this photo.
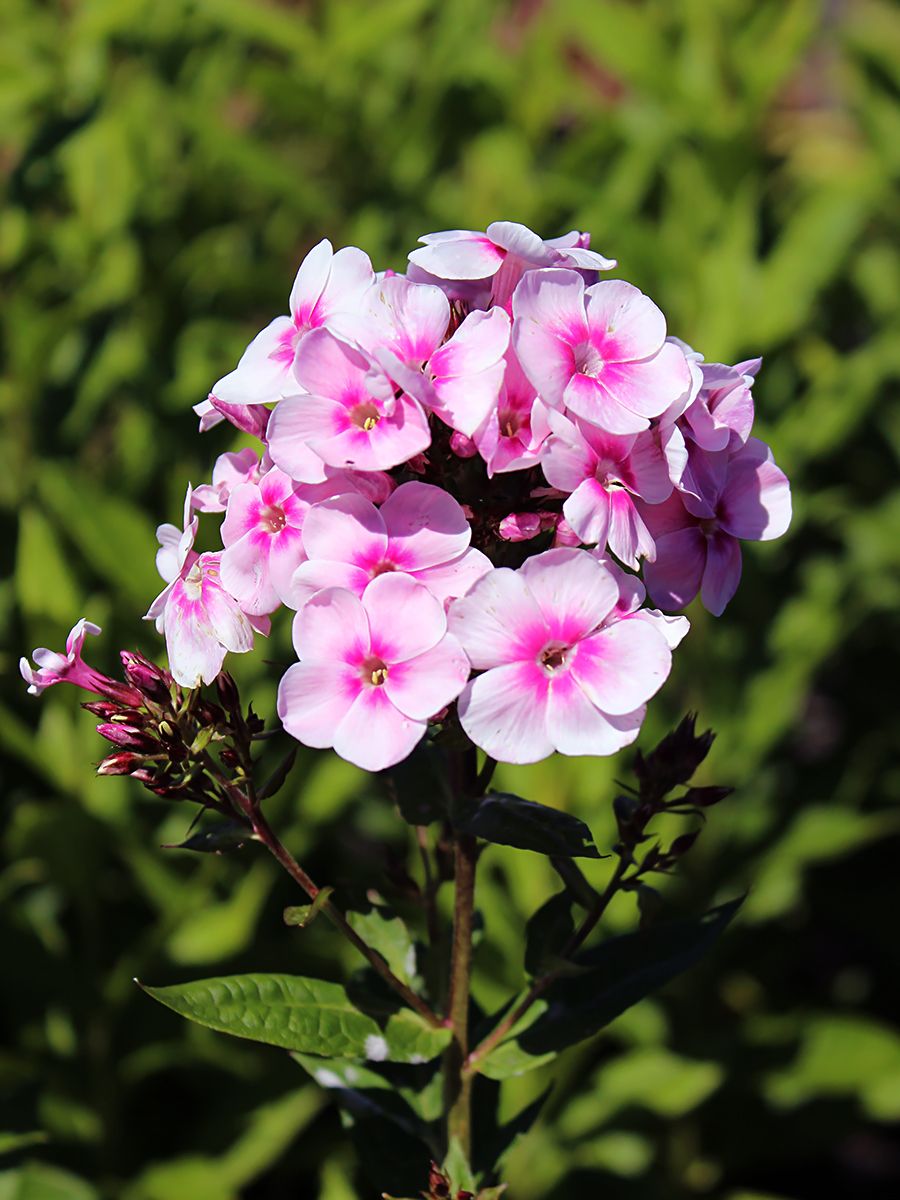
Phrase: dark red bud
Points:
(128, 736)
(122, 762)
(103, 708)
(124, 693)
(228, 692)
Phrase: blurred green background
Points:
(165, 167)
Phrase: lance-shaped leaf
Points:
(509, 820)
(311, 1016)
(615, 975)
(388, 935)
(547, 932)
(419, 785)
(215, 838)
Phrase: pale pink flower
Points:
(599, 352)
(556, 676)
(420, 530)
(745, 498)
(69, 667)
(372, 671)
(352, 416)
(261, 535)
(467, 371)
(326, 285)
(604, 473)
(502, 255)
(201, 621)
(517, 426)
(721, 416)
(632, 595)
(230, 470)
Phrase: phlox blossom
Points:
(556, 675)
(599, 352)
(53, 667)
(745, 497)
(326, 284)
(501, 256)
(201, 621)
(352, 416)
(511, 436)
(372, 671)
(230, 470)
(604, 473)
(420, 530)
(261, 535)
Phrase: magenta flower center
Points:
(554, 657)
(588, 360)
(374, 672)
(365, 416)
(272, 518)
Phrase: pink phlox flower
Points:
(503, 254)
(599, 352)
(555, 676)
(262, 536)
(230, 470)
(523, 526)
(53, 667)
(467, 371)
(721, 415)
(632, 595)
(201, 621)
(746, 498)
(352, 417)
(327, 284)
(517, 426)
(248, 418)
(372, 670)
(420, 531)
(604, 474)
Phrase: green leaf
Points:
(11, 1142)
(303, 915)
(620, 972)
(508, 820)
(456, 1167)
(309, 1015)
(38, 1181)
(547, 932)
(389, 936)
(44, 579)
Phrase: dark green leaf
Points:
(278, 776)
(213, 839)
(508, 820)
(620, 972)
(419, 785)
(547, 933)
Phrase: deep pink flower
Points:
(261, 534)
(556, 677)
(230, 470)
(53, 667)
(604, 473)
(326, 284)
(599, 352)
(352, 416)
(745, 498)
(467, 371)
(372, 671)
(511, 437)
(420, 530)
(201, 621)
(502, 255)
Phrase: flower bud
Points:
(520, 527)
(228, 692)
(147, 677)
(127, 736)
(462, 446)
(122, 762)
(103, 708)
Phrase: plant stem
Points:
(246, 802)
(458, 1083)
(540, 985)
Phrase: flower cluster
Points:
(455, 468)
